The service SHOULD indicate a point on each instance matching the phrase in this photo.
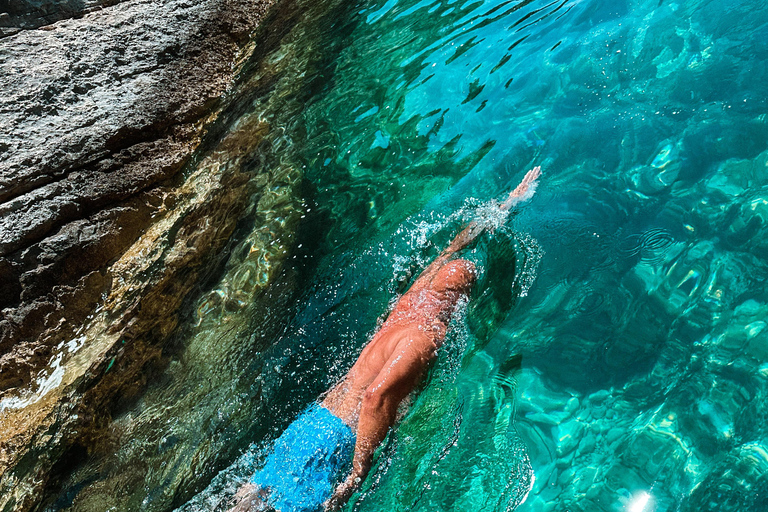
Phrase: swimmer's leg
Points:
(251, 498)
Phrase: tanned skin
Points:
(392, 363)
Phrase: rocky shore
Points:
(104, 105)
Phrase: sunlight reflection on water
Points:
(613, 357)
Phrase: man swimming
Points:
(356, 413)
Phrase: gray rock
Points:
(98, 115)
(25, 14)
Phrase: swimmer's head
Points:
(457, 276)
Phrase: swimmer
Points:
(355, 415)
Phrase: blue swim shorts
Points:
(307, 461)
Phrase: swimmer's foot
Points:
(524, 190)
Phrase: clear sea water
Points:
(614, 356)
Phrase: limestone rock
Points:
(99, 114)
(89, 136)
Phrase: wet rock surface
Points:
(98, 114)
(102, 237)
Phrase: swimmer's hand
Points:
(524, 190)
(343, 492)
(522, 193)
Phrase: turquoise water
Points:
(614, 355)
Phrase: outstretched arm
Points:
(525, 190)
(522, 193)
(403, 369)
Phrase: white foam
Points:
(47, 380)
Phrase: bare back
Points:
(391, 364)
(414, 329)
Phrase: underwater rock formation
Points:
(111, 111)
(100, 114)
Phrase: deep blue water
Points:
(643, 373)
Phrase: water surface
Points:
(614, 355)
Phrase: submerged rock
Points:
(92, 134)
(102, 237)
